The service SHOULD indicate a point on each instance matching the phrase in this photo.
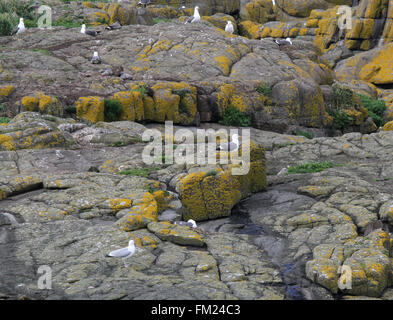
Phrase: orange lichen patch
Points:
(30, 103)
(7, 142)
(388, 127)
(6, 91)
(90, 109)
(117, 204)
(380, 69)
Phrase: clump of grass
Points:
(118, 144)
(66, 22)
(264, 89)
(310, 167)
(182, 105)
(376, 109)
(158, 20)
(70, 109)
(143, 172)
(306, 134)
(142, 90)
(211, 173)
(113, 110)
(4, 119)
(234, 117)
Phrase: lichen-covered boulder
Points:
(177, 234)
(42, 103)
(210, 195)
(90, 109)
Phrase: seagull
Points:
(280, 42)
(114, 26)
(96, 58)
(144, 2)
(229, 27)
(195, 18)
(190, 223)
(230, 146)
(89, 32)
(20, 28)
(125, 253)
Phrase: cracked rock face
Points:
(291, 241)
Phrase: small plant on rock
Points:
(234, 117)
(113, 110)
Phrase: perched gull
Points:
(125, 253)
(229, 27)
(230, 146)
(195, 18)
(96, 58)
(20, 28)
(144, 2)
(280, 42)
(92, 33)
(190, 223)
(114, 26)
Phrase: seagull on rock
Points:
(230, 146)
(92, 33)
(114, 26)
(125, 253)
(195, 18)
(96, 58)
(229, 27)
(190, 223)
(20, 28)
(280, 42)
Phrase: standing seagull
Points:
(125, 253)
(229, 27)
(144, 3)
(114, 26)
(20, 28)
(195, 18)
(92, 33)
(230, 146)
(96, 58)
(280, 42)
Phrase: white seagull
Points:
(96, 58)
(125, 253)
(89, 32)
(20, 28)
(229, 27)
(230, 146)
(195, 18)
(190, 223)
(280, 42)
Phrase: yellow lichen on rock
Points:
(90, 109)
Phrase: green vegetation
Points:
(70, 109)
(211, 173)
(376, 109)
(306, 134)
(11, 10)
(182, 105)
(113, 110)
(142, 90)
(234, 117)
(67, 22)
(158, 20)
(310, 167)
(343, 98)
(264, 89)
(4, 120)
(143, 172)
(118, 144)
